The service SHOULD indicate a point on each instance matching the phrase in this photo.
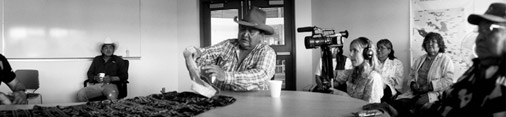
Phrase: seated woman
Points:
(112, 67)
(363, 81)
(391, 69)
(430, 75)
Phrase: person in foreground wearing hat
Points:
(481, 90)
(241, 64)
(111, 66)
(9, 78)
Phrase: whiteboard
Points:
(69, 28)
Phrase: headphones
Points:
(367, 53)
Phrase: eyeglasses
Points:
(494, 26)
(382, 47)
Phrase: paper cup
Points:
(101, 76)
(275, 87)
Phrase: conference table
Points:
(260, 104)
(289, 104)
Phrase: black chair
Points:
(122, 86)
(30, 78)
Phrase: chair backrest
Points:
(28, 77)
(127, 64)
(122, 87)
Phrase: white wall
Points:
(157, 67)
(303, 73)
(60, 79)
(188, 35)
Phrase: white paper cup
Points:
(275, 87)
(101, 76)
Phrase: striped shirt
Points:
(250, 74)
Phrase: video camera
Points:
(322, 37)
(325, 39)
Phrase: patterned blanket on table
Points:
(165, 104)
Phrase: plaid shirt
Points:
(251, 74)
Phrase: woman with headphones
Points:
(363, 81)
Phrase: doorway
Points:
(217, 24)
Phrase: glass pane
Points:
(223, 26)
(280, 72)
(275, 18)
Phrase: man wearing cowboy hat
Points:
(241, 64)
(481, 90)
(104, 69)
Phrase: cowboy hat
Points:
(495, 13)
(256, 19)
(107, 41)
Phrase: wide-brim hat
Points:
(256, 19)
(108, 41)
(495, 13)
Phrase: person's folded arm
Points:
(342, 76)
(123, 72)
(192, 67)
(399, 75)
(208, 55)
(374, 89)
(437, 86)
(91, 71)
(18, 91)
(413, 72)
(446, 79)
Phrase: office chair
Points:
(122, 86)
(29, 78)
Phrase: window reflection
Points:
(275, 18)
(280, 72)
(222, 24)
